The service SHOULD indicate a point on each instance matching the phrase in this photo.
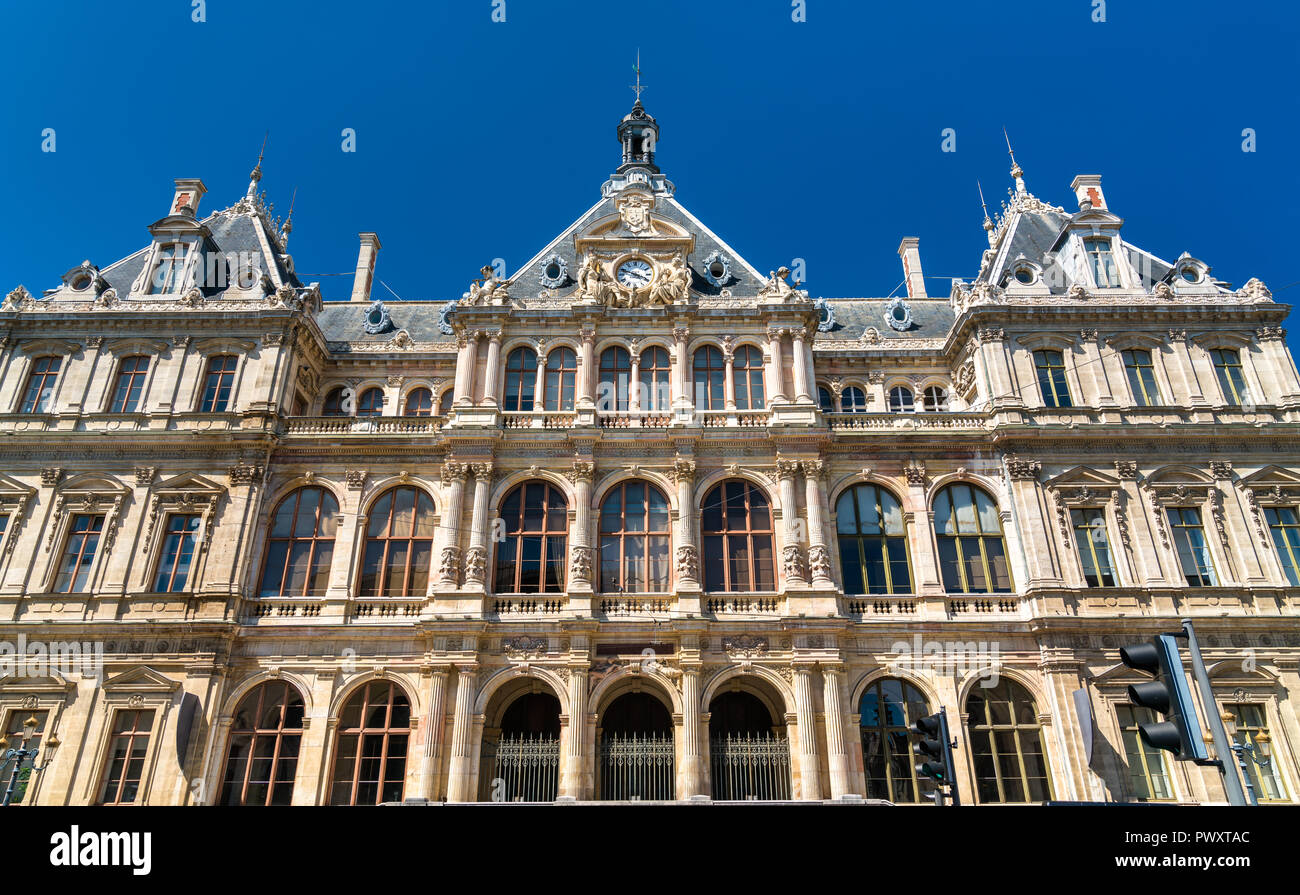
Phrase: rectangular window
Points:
(1094, 546)
(79, 554)
(1264, 778)
(1051, 378)
(1190, 544)
(1148, 775)
(130, 383)
(39, 393)
(177, 553)
(218, 383)
(1232, 378)
(126, 754)
(1283, 523)
(1104, 271)
(1141, 377)
(14, 734)
(4, 526)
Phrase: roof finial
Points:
(638, 87)
(288, 222)
(988, 221)
(1016, 171)
(256, 175)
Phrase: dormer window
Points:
(1104, 272)
(1025, 276)
(168, 270)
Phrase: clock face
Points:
(635, 273)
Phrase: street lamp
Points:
(1260, 751)
(24, 754)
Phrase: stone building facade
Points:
(639, 521)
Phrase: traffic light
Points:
(1167, 695)
(933, 747)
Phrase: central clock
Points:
(635, 273)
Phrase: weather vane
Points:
(638, 87)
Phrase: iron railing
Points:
(637, 767)
(750, 766)
(525, 768)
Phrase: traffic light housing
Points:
(1168, 695)
(933, 747)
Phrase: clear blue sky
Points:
(819, 140)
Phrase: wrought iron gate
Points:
(637, 766)
(528, 766)
(750, 766)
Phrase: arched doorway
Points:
(749, 752)
(521, 753)
(636, 749)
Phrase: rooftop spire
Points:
(638, 87)
(256, 174)
(638, 132)
(988, 221)
(1016, 171)
(288, 222)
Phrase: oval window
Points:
(553, 271)
(1190, 274)
(1024, 275)
(718, 269)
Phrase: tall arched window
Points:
(337, 402)
(710, 379)
(130, 382)
(399, 544)
(300, 545)
(371, 402)
(889, 707)
(934, 399)
(748, 371)
(873, 542)
(521, 380)
(853, 400)
(825, 400)
(972, 553)
(40, 384)
(1006, 745)
(370, 756)
(561, 377)
(444, 403)
(530, 558)
(901, 399)
(655, 393)
(634, 540)
(419, 402)
(265, 737)
(736, 524)
(615, 376)
(217, 384)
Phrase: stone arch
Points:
(519, 677)
(349, 688)
(618, 476)
(622, 680)
(775, 684)
(247, 685)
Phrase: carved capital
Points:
(1023, 470)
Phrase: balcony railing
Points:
(538, 419)
(363, 425)
(633, 419)
(529, 606)
(972, 421)
(890, 606)
(615, 607)
(742, 605)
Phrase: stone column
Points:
(460, 777)
(792, 550)
(778, 365)
(466, 359)
(435, 697)
(920, 532)
(692, 776)
(836, 749)
(580, 545)
(493, 374)
(1145, 554)
(997, 364)
(799, 350)
(476, 556)
(1031, 516)
(729, 378)
(1091, 343)
(687, 555)
(575, 751)
(1273, 350)
(634, 383)
(449, 534)
(1178, 344)
(682, 398)
(819, 553)
(586, 368)
(810, 787)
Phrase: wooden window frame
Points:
(313, 551)
(622, 535)
(514, 540)
(748, 533)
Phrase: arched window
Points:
(825, 400)
(40, 384)
(1006, 745)
(873, 542)
(853, 400)
(934, 399)
(748, 371)
(972, 553)
(615, 376)
(338, 402)
(634, 556)
(419, 402)
(370, 757)
(710, 379)
(265, 736)
(736, 524)
(521, 380)
(217, 384)
(655, 393)
(901, 399)
(399, 544)
(130, 382)
(301, 544)
(371, 402)
(889, 707)
(444, 403)
(530, 558)
(561, 376)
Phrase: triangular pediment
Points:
(1270, 476)
(11, 487)
(141, 678)
(189, 482)
(1083, 476)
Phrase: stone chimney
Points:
(365, 267)
(189, 190)
(910, 251)
(1087, 188)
